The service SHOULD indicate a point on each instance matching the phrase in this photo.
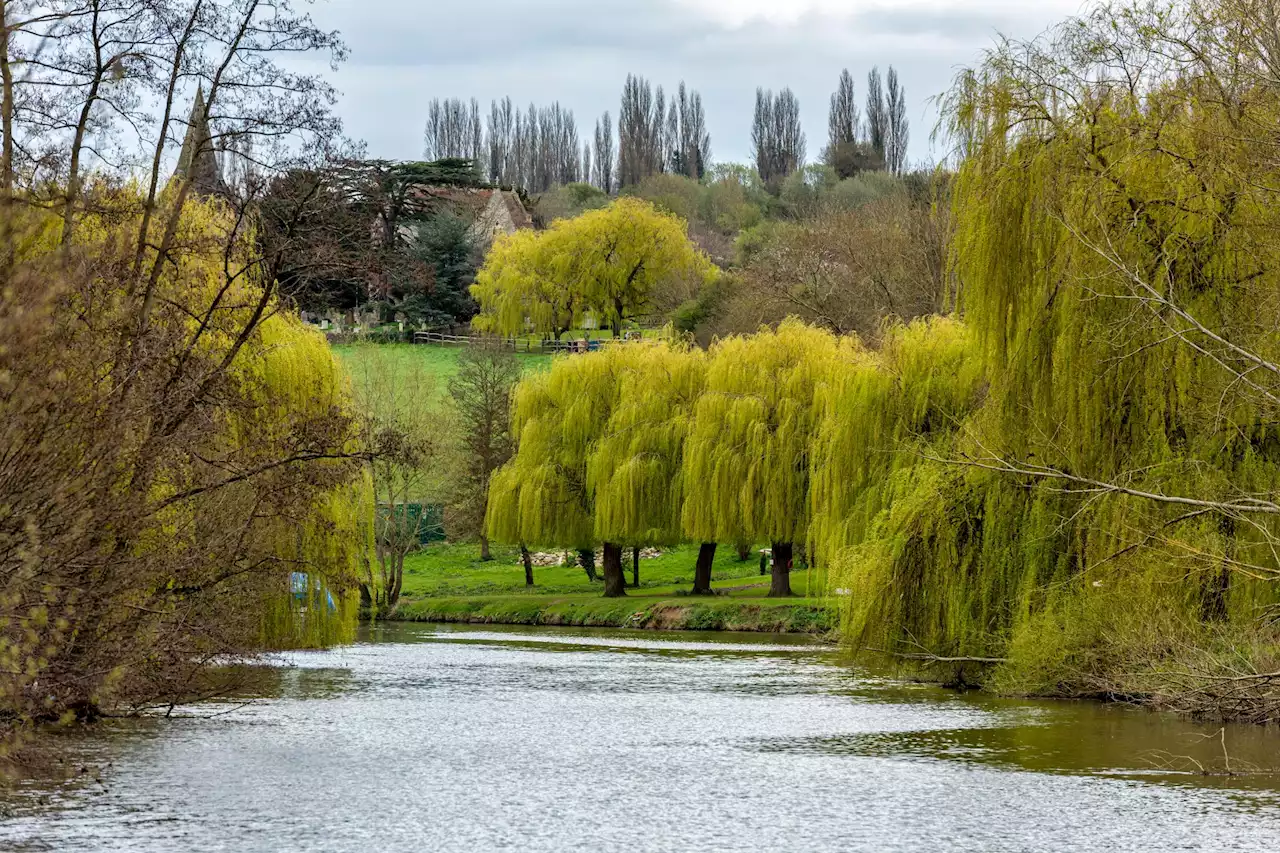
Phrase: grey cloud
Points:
(952, 23)
(580, 51)
(506, 30)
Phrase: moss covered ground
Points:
(449, 583)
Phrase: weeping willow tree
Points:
(1106, 521)
(305, 509)
(311, 600)
(522, 286)
(542, 496)
(620, 257)
(886, 423)
(747, 455)
(616, 263)
(635, 473)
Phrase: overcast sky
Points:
(406, 52)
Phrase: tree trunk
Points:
(744, 551)
(702, 571)
(587, 559)
(615, 582)
(485, 556)
(781, 585)
(635, 567)
(1213, 597)
(1217, 585)
(397, 583)
(528, 564)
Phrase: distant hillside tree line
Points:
(539, 148)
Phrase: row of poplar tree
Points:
(538, 148)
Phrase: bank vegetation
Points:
(182, 473)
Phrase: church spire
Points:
(198, 162)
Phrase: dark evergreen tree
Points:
(445, 247)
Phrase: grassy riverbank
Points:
(449, 583)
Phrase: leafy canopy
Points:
(747, 457)
(612, 262)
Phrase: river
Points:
(432, 738)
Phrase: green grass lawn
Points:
(439, 363)
(448, 583)
(456, 570)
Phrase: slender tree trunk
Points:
(528, 565)
(587, 559)
(1213, 599)
(397, 583)
(7, 252)
(1216, 586)
(781, 585)
(702, 571)
(615, 582)
(744, 551)
(635, 567)
(485, 556)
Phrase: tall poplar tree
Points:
(603, 176)
(897, 133)
(640, 131)
(877, 114)
(688, 142)
(777, 138)
(454, 131)
(843, 120)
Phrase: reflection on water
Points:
(440, 738)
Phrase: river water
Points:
(429, 738)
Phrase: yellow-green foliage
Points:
(295, 374)
(522, 284)
(287, 376)
(747, 457)
(1115, 259)
(635, 473)
(879, 417)
(610, 262)
(541, 497)
(1065, 209)
(599, 454)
